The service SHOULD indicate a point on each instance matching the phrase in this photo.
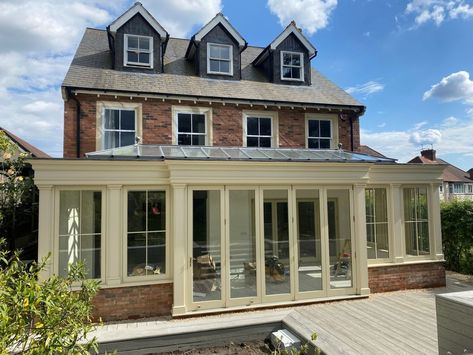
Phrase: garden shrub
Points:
(457, 235)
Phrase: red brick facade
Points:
(133, 302)
(406, 276)
(227, 122)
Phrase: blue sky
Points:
(409, 62)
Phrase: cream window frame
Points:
(301, 67)
(150, 51)
(147, 279)
(101, 106)
(207, 111)
(230, 60)
(103, 224)
(273, 115)
(333, 118)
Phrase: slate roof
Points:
(91, 69)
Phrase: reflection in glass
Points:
(416, 221)
(276, 242)
(242, 239)
(339, 233)
(376, 223)
(308, 240)
(206, 239)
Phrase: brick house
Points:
(205, 174)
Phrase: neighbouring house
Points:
(456, 183)
(21, 226)
(206, 174)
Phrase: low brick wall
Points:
(406, 276)
(133, 302)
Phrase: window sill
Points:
(219, 73)
(137, 65)
(408, 262)
(142, 282)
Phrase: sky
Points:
(408, 62)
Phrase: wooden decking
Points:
(401, 322)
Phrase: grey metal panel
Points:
(137, 25)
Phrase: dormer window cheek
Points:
(138, 51)
(292, 66)
(219, 59)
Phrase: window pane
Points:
(422, 204)
(127, 120)
(324, 143)
(184, 139)
(286, 58)
(156, 253)
(325, 129)
(136, 211)
(314, 128)
(296, 73)
(381, 205)
(69, 212)
(184, 122)
(382, 242)
(198, 140)
(296, 59)
(133, 42)
(144, 43)
(111, 140)
(112, 119)
(214, 65)
(423, 235)
(225, 53)
(252, 126)
(286, 72)
(313, 143)
(90, 217)
(265, 126)
(252, 142)
(136, 254)
(90, 254)
(369, 205)
(127, 138)
(132, 57)
(265, 142)
(224, 67)
(143, 58)
(411, 245)
(156, 211)
(214, 51)
(198, 123)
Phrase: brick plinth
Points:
(133, 302)
(406, 276)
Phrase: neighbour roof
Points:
(364, 149)
(91, 68)
(173, 152)
(25, 146)
(450, 174)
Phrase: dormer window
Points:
(219, 59)
(138, 51)
(292, 66)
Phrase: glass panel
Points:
(132, 57)
(296, 73)
(324, 143)
(143, 58)
(308, 239)
(207, 234)
(156, 211)
(313, 143)
(111, 139)
(339, 230)
(69, 212)
(371, 240)
(133, 42)
(112, 119)
(184, 122)
(313, 128)
(252, 126)
(136, 211)
(184, 139)
(90, 255)
(225, 52)
(416, 221)
(286, 58)
(214, 65)
(127, 138)
(265, 126)
(144, 43)
(224, 67)
(198, 139)
(252, 142)
(325, 129)
(156, 253)
(127, 120)
(296, 60)
(91, 212)
(198, 123)
(382, 241)
(137, 254)
(423, 235)
(214, 51)
(265, 142)
(276, 242)
(411, 245)
(242, 239)
(286, 72)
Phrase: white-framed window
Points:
(258, 130)
(219, 59)
(138, 51)
(146, 236)
(292, 66)
(80, 231)
(191, 125)
(119, 127)
(470, 188)
(377, 231)
(319, 133)
(416, 221)
(459, 188)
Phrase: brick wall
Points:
(133, 302)
(157, 124)
(406, 276)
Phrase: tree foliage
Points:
(457, 235)
(44, 317)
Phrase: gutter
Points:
(77, 123)
(164, 45)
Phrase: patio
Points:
(401, 322)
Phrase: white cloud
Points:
(454, 87)
(310, 15)
(366, 89)
(438, 11)
(452, 136)
(180, 17)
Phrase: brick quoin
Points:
(134, 302)
(227, 123)
(406, 276)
